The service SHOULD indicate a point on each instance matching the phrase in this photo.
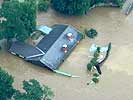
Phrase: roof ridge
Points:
(55, 28)
(40, 50)
(59, 36)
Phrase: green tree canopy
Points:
(71, 7)
(80, 7)
(21, 18)
(6, 85)
(43, 5)
(34, 91)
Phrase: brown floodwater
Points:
(117, 78)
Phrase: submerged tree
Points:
(71, 7)
(21, 18)
(6, 85)
(34, 91)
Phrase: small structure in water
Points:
(53, 47)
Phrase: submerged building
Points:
(52, 49)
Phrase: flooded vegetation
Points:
(115, 83)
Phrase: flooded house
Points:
(51, 48)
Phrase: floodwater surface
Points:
(117, 78)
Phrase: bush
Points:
(95, 80)
(93, 61)
(89, 66)
(91, 33)
(95, 75)
(71, 7)
(6, 85)
(43, 5)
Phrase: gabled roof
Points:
(24, 50)
(48, 52)
(49, 39)
(55, 56)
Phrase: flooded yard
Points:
(117, 78)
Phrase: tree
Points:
(80, 7)
(21, 19)
(71, 7)
(34, 91)
(43, 5)
(6, 85)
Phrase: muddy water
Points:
(115, 83)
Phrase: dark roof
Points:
(24, 49)
(49, 39)
(48, 50)
(55, 56)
